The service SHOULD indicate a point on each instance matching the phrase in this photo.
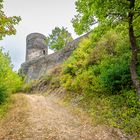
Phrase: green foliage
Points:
(59, 38)
(113, 12)
(9, 81)
(121, 111)
(103, 64)
(98, 71)
(4, 107)
(7, 23)
(116, 76)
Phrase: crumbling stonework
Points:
(35, 46)
(38, 62)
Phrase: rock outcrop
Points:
(38, 62)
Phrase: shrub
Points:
(99, 72)
(103, 65)
(9, 80)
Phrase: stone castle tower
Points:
(38, 62)
(35, 46)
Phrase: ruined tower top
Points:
(35, 46)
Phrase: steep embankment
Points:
(37, 117)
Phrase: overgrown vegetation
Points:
(98, 73)
(113, 13)
(10, 82)
(4, 107)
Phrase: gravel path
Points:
(35, 117)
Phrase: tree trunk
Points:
(133, 64)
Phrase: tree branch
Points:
(136, 16)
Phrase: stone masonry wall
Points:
(38, 67)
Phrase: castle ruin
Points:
(35, 46)
(38, 62)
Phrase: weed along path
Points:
(36, 117)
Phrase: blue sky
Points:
(37, 16)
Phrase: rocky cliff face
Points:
(39, 66)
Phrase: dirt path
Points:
(36, 117)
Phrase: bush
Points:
(3, 94)
(9, 80)
(121, 111)
(115, 74)
(104, 65)
(98, 71)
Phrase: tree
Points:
(59, 38)
(7, 23)
(9, 80)
(116, 12)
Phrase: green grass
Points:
(120, 111)
(5, 107)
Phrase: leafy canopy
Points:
(7, 23)
(59, 38)
(114, 11)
